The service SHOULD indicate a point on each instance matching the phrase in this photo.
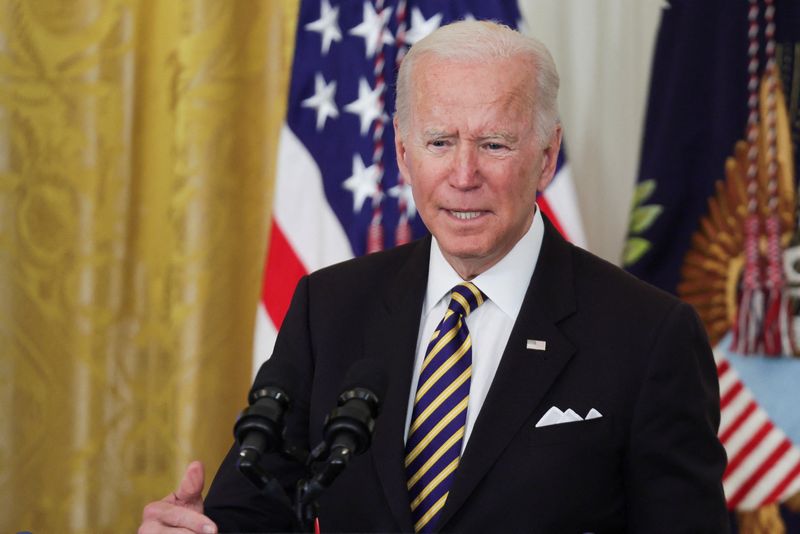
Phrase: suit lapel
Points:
(393, 332)
(523, 376)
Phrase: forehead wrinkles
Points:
(510, 120)
(497, 92)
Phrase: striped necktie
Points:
(433, 447)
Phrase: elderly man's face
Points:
(472, 157)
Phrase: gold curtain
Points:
(137, 147)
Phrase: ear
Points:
(550, 159)
(400, 151)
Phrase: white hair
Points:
(481, 41)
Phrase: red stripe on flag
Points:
(723, 367)
(751, 444)
(545, 207)
(729, 396)
(740, 419)
(282, 272)
(742, 492)
(782, 485)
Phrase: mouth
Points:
(465, 215)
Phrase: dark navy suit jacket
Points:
(651, 463)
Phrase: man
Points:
(535, 331)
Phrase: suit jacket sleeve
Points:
(675, 461)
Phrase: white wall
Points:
(603, 50)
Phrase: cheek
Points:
(426, 177)
(514, 187)
(422, 192)
(431, 167)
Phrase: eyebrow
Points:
(435, 132)
(504, 135)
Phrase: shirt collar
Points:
(502, 283)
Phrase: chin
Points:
(470, 253)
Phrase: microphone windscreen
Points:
(367, 374)
(275, 374)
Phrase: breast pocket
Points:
(581, 433)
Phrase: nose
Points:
(465, 174)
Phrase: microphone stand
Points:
(309, 490)
(267, 485)
(348, 431)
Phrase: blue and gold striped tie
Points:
(433, 447)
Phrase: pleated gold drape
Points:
(137, 146)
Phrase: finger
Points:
(177, 516)
(190, 490)
(156, 528)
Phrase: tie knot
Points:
(465, 297)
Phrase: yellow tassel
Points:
(793, 503)
(764, 520)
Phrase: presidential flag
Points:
(338, 193)
(714, 221)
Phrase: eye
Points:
(495, 147)
(438, 143)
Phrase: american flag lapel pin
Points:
(536, 344)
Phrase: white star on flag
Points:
(327, 26)
(363, 183)
(402, 192)
(367, 106)
(373, 29)
(420, 27)
(322, 100)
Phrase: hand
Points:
(180, 511)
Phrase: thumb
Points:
(190, 490)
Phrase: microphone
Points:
(347, 431)
(348, 428)
(260, 427)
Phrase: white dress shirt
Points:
(490, 325)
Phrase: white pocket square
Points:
(554, 416)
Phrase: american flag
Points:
(763, 462)
(338, 193)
